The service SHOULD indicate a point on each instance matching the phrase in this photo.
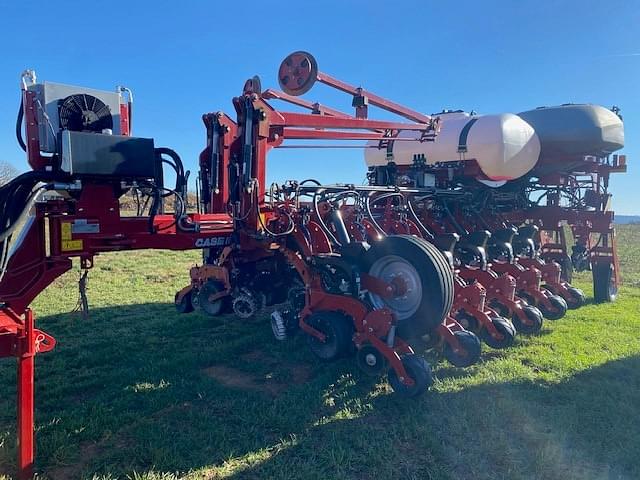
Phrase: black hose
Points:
(153, 209)
(377, 226)
(422, 226)
(175, 169)
(321, 221)
(16, 199)
(177, 166)
(23, 146)
(310, 180)
(384, 196)
(452, 219)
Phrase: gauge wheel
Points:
(468, 321)
(338, 330)
(423, 277)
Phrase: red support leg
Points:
(26, 356)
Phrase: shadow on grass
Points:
(584, 428)
(139, 388)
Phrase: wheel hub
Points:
(406, 284)
(370, 360)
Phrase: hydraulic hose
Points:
(321, 221)
(177, 166)
(421, 225)
(23, 146)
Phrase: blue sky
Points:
(186, 58)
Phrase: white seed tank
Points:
(505, 146)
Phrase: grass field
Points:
(138, 391)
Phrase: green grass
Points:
(137, 391)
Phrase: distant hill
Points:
(627, 219)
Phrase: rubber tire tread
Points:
(560, 310)
(578, 298)
(419, 370)
(471, 345)
(602, 273)
(506, 328)
(185, 306)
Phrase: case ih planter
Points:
(366, 271)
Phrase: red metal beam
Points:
(316, 108)
(26, 356)
(374, 99)
(291, 119)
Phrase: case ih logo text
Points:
(212, 242)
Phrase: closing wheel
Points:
(211, 307)
(604, 285)
(338, 330)
(576, 299)
(532, 321)
(556, 310)
(419, 371)
(505, 328)
(184, 305)
(471, 349)
(423, 280)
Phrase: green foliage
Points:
(140, 392)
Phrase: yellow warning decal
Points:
(65, 229)
(68, 245)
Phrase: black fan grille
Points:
(85, 113)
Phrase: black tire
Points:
(528, 299)
(184, 305)
(430, 276)
(468, 321)
(500, 309)
(419, 371)
(558, 308)
(604, 289)
(216, 307)
(339, 331)
(576, 299)
(505, 328)
(471, 345)
(535, 317)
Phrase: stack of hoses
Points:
(16, 199)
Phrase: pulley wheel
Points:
(298, 72)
